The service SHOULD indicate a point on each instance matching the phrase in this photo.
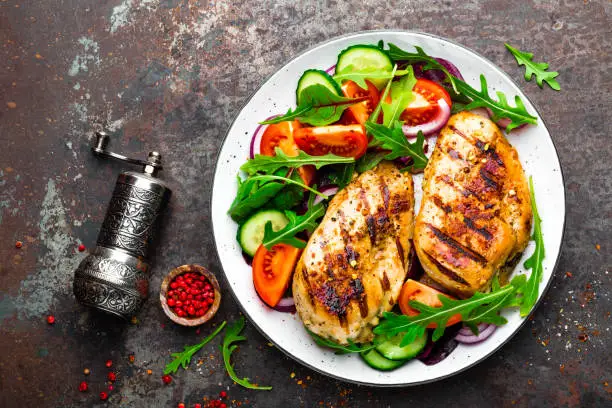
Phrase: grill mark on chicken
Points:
(482, 231)
(371, 223)
(384, 283)
(464, 190)
(463, 135)
(385, 193)
(488, 179)
(452, 275)
(330, 265)
(400, 251)
(489, 151)
(400, 204)
(363, 306)
(444, 207)
(468, 252)
(363, 198)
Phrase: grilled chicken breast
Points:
(355, 262)
(475, 216)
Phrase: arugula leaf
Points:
(340, 349)
(268, 177)
(397, 54)
(319, 106)
(338, 174)
(370, 160)
(290, 196)
(374, 116)
(401, 96)
(535, 68)
(484, 305)
(183, 358)
(297, 223)
(518, 114)
(290, 115)
(534, 262)
(359, 77)
(252, 194)
(394, 140)
(270, 164)
(232, 335)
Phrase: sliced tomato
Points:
(341, 140)
(425, 105)
(272, 271)
(413, 290)
(281, 135)
(359, 112)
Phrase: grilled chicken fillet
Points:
(355, 263)
(475, 216)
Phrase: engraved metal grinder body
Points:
(115, 276)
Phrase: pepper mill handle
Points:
(150, 166)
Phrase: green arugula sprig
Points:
(340, 349)
(539, 69)
(297, 223)
(183, 358)
(252, 194)
(402, 95)
(517, 114)
(232, 335)
(485, 305)
(270, 164)
(534, 262)
(359, 77)
(318, 106)
(398, 145)
(481, 307)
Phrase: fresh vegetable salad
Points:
(377, 103)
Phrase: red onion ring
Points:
(329, 191)
(255, 147)
(433, 125)
(331, 70)
(466, 336)
(286, 305)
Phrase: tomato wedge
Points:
(425, 105)
(272, 271)
(281, 135)
(413, 290)
(359, 112)
(341, 140)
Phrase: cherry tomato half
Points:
(341, 140)
(359, 112)
(413, 290)
(281, 135)
(272, 271)
(424, 107)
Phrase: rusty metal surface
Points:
(170, 75)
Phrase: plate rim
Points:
(525, 319)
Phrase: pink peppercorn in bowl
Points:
(190, 295)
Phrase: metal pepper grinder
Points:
(115, 276)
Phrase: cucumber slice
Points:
(359, 58)
(316, 77)
(391, 349)
(375, 360)
(251, 233)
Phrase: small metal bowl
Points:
(190, 321)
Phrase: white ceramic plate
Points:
(276, 95)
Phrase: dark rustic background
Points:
(170, 75)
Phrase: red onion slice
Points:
(331, 70)
(286, 305)
(433, 125)
(328, 191)
(255, 147)
(466, 336)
